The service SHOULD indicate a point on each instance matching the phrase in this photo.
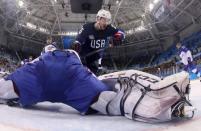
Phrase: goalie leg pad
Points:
(103, 100)
(110, 102)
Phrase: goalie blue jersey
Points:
(57, 76)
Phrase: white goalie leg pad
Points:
(109, 101)
(155, 106)
(7, 89)
(103, 100)
(145, 97)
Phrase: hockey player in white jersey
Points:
(187, 59)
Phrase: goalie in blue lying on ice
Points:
(59, 76)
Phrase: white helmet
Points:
(105, 14)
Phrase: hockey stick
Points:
(92, 53)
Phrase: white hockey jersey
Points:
(185, 55)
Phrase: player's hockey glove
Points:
(76, 46)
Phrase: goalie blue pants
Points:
(57, 77)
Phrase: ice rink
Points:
(58, 117)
